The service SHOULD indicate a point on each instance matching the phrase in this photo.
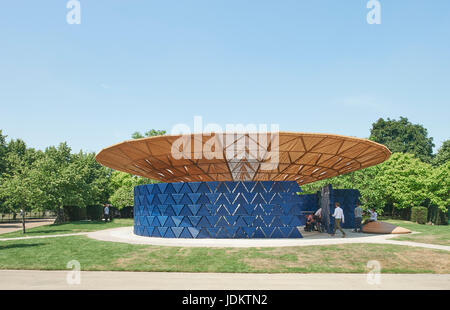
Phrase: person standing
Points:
(106, 213)
(358, 217)
(338, 217)
(318, 218)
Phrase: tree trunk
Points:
(23, 222)
(60, 216)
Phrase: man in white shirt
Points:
(106, 212)
(338, 217)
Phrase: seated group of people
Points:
(314, 221)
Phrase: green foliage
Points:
(150, 133)
(122, 185)
(404, 137)
(443, 154)
(419, 215)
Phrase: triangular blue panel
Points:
(249, 196)
(213, 220)
(240, 188)
(213, 186)
(177, 209)
(194, 197)
(240, 211)
(258, 188)
(177, 231)
(223, 233)
(194, 186)
(267, 208)
(231, 219)
(285, 231)
(276, 199)
(185, 200)
(258, 233)
(186, 222)
(277, 222)
(231, 231)
(203, 199)
(295, 210)
(186, 211)
(155, 211)
(258, 222)
(169, 222)
(185, 189)
(222, 188)
(203, 211)
(162, 230)
(258, 210)
(267, 231)
(249, 208)
(240, 233)
(177, 186)
(204, 222)
(162, 209)
(177, 197)
(169, 234)
(162, 220)
(162, 198)
(249, 220)
(276, 234)
(240, 200)
(286, 220)
(222, 211)
(213, 231)
(156, 233)
(268, 219)
(194, 220)
(194, 231)
(295, 221)
(169, 200)
(149, 221)
(249, 231)
(212, 197)
(194, 209)
(241, 222)
(155, 222)
(169, 211)
(295, 234)
(162, 186)
(249, 185)
(277, 210)
(169, 189)
(267, 185)
(203, 188)
(203, 233)
(155, 189)
(277, 188)
(258, 199)
(222, 222)
(149, 231)
(177, 220)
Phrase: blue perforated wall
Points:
(263, 209)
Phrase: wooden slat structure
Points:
(300, 157)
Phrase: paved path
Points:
(10, 227)
(37, 280)
(126, 235)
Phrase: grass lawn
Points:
(434, 234)
(54, 253)
(69, 228)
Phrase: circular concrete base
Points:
(126, 235)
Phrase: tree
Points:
(443, 154)
(122, 185)
(150, 133)
(3, 151)
(404, 137)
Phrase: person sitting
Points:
(309, 223)
(373, 216)
(318, 219)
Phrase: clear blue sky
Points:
(313, 66)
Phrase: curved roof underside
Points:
(283, 156)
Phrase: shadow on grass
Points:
(14, 246)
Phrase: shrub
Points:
(94, 213)
(419, 215)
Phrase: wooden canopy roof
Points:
(301, 157)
